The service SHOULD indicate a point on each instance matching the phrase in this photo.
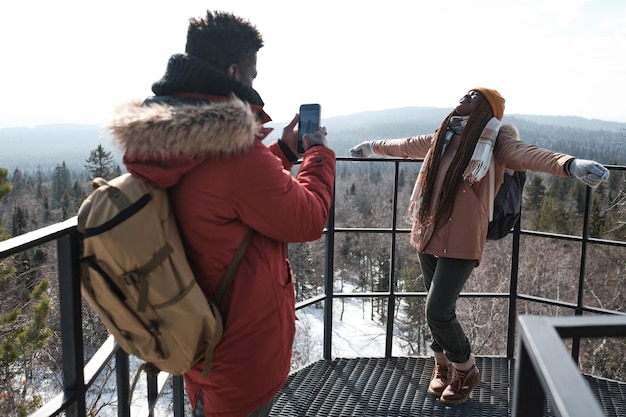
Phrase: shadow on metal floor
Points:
(396, 387)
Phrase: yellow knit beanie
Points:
(496, 101)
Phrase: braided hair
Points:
(453, 176)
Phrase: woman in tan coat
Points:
(450, 210)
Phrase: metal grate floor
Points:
(396, 387)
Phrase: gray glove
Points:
(362, 150)
(589, 172)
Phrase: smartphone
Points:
(309, 122)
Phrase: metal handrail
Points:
(544, 370)
(77, 376)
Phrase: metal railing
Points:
(78, 376)
(544, 370)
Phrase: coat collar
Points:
(165, 130)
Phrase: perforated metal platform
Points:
(396, 387)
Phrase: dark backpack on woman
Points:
(507, 205)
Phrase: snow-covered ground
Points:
(355, 333)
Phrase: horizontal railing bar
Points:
(55, 406)
(572, 238)
(566, 304)
(310, 301)
(37, 237)
(590, 326)
(99, 360)
(557, 236)
(418, 294)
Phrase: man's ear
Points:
(233, 71)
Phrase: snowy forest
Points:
(549, 268)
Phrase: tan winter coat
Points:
(464, 235)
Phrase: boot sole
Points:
(453, 402)
(435, 393)
(459, 401)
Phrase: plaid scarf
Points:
(483, 152)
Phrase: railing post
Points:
(178, 392)
(153, 390)
(529, 400)
(580, 300)
(71, 323)
(510, 341)
(391, 302)
(123, 386)
(329, 255)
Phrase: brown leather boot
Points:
(441, 376)
(460, 386)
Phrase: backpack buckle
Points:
(131, 278)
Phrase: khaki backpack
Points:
(136, 277)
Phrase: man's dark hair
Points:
(223, 39)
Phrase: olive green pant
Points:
(445, 278)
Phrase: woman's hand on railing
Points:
(362, 150)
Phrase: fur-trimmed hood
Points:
(162, 131)
(509, 130)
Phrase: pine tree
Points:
(5, 186)
(18, 181)
(534, 193)
(100, 163)
(60, 182)
(553, 217)
(20, 221)
(19, 345)
(24, 330)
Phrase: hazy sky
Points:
(72, 61)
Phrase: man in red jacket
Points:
(201, 137)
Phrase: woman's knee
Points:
(437, 316)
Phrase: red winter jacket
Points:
(224, 181)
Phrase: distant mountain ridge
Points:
(49, 145)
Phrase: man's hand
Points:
(290, 134)
(317, 138)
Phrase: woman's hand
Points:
(362, 150)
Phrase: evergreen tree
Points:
(20, 221)
(61, 180)
(534, 193)
(24, 330)
(39, 188)
(100, 163)
(597, 219)
(5, 186)
(19, 345)
(18, 181)
(553, 217)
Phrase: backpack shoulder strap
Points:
(232, 268)
(492, 188)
